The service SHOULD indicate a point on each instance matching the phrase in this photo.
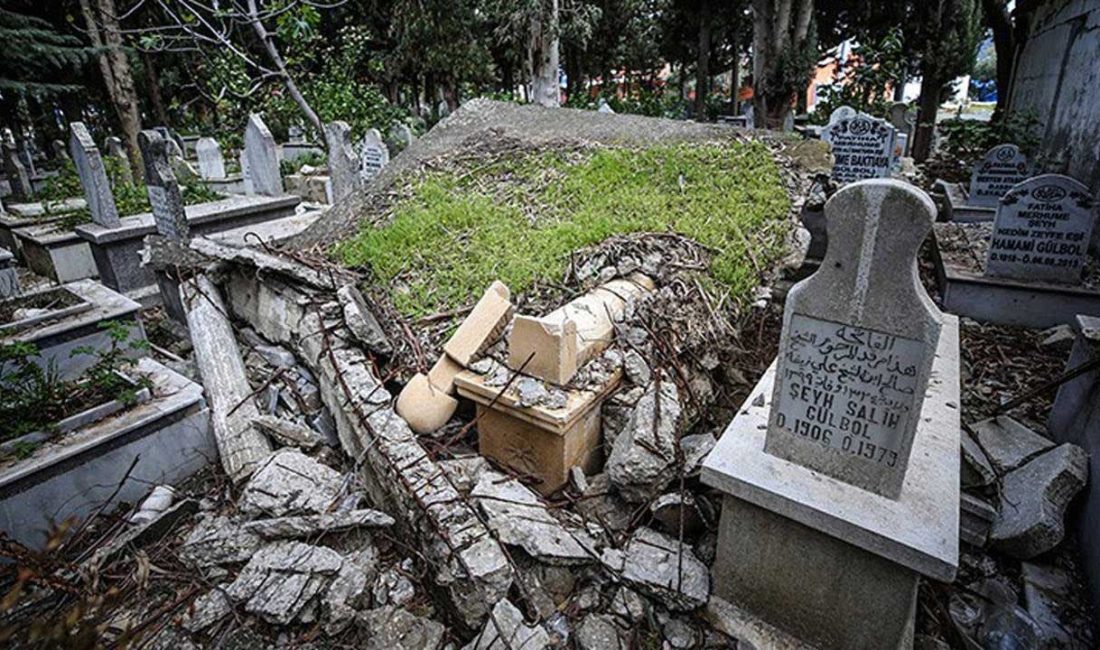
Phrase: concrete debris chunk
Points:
(976, 517)
(298, 526)
(645, 452)
(277, 355)
(1046, 589)
(505, 630)
(695, 448)
(976, 469)
(289, 433)
(392, 587)
(348, 590)
(393, 628)
(208, 609)
(602, 505)
(282, 579)
(636, 369)
(679, 634)
(218, 540)
(578, 480)
(628, 605)
(1008, 443)
(360, 319)
(519, 518)
(663, 568)
(1034, 500)
(599, 632)
(291, 483)
(464, 472)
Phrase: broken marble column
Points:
(211, 162)
(118, 152)
(18, 179)
(263, 158)
(373, 155)
(858, 341)
(93, 177)
(343, 164)
(241, 446)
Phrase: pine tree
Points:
(33, 53)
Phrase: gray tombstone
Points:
(399, 137)
(604, 107)
(858, 341)
(117, 151)
(176, 146)
(1042, 230)
(20, 182)
(862, 146)
(899, 118)
(164, 191)
(59, 150)
(26, 154)
(343, 164)
(999, 170)
(263, 158)
(246, 177)
(296, 135)
(93, 176)
(373, 155)
(211, 162)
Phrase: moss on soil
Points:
(518, 219)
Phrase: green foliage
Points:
(865, 81)
(36, 399)
(312, 159)
(519, 220)
(33, 53)
(661, 102)
(968, 140)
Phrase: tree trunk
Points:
(702, 63)
(735, 76)
(929, 104)
(543, 58)
(152, 83)
(280, 65)
(1004, 44)
(780, 27)
(125, 96)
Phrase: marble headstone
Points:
(998, 171)
(343, 164)
(18, 178)
(862, 146)
(842, 113)
(93, 176)
(1042, 230)
(164, 191)
(399, 137)
(858, 341)
(373, 155)
(211, 162)
(263, 158)
(246, 177)
(117, 151)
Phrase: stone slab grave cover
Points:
(211, 162)
(999, 170)
(1042, 230)
(343, 163)
(93, 176)
(373, 155)
(858, 341)
(862, 146)
(262, 157)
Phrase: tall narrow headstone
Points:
(862, 146)
(263, 158)
(118, 152)
(246, 177)
(858, 341)
(373, 155)
(998, 171)
(59, 150)
(26, 154)
(898, 116)
(343, 164)
(18, 179)
(1042, 230)
(165, 197)
(93, 176)
(211, 162)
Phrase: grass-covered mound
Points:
(518, 218)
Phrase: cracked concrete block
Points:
(1008, 443)
(295, 527)
(282, 579)
(291, 483)
(506, 629)
(218, 540)
(662, 567)
(599, 632)
(641, 462)
(394, 628)
(976, 469)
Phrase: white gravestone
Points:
(343, 164)
(246, 177)
(400, 136)
(862, 146)
(263, 158)
(373, 155)
(1042, 230)
(604, 107)
(859, 337)
(164, 191)
(842, 113)
(211, 162)
(998, 171)
(93, 176)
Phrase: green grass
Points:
(518, 220)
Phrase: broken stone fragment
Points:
(283, 578)
(360, 319)
(1008, 443)
(424, 406)
(276, 355)
(218, 540)
(644, 454)
(662, 567)
(294, 527)
(506, 629)
(976, 516)
(679, 634)
(636, 369)
(602, 505)
(531, 392)
(392, 587)
(519, 518)
(208, 609)
(629, 605)
(577, 480)
(394, 628)
(348, 590)
(599, 632)
(1046, 591)
(291, 483)
(464, 472)
(976, 470)
(286, 432)
(695, 448)
(1034, 500)
(675, 511)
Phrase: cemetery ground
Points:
(329, 523)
